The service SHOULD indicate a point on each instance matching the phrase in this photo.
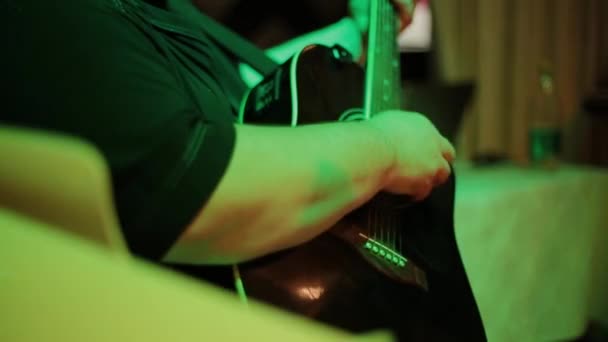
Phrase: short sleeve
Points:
(86, 69)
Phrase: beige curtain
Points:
(499, 44)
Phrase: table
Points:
(535, 245)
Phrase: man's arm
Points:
(343, 32)
(286, 185)
(348, 32)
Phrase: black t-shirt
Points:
(142, 84)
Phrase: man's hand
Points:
(359, 10)
(421, 154)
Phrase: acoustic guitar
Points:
(391, 264)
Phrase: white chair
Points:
(59, 283)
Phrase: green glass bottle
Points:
(545, 126)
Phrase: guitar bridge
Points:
(383, 252)
(383, 258)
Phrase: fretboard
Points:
(383, 71)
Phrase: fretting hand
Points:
(359, 10)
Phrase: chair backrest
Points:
(58, 288)
(59, 180)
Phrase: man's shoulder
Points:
(36, 14)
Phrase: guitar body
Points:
(349, 277)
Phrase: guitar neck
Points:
(383, 71)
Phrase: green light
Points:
(385, 252)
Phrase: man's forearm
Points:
(284, 186)
(343, 32)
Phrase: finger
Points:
(447, 150)
(443, 173)
(405, 10)
(405, 6)
(405, 19)
(423, 189)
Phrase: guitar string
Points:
(391, 41)
(384, 10)
(394, 74)
(377, 96)
(373, 106)
(389, 24)
(379, 87)
(388, 38)
(383, 227)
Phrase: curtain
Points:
(499, 44)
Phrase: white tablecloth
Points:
(535, 246)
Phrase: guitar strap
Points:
(227, 39)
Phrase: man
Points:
(157, 97)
